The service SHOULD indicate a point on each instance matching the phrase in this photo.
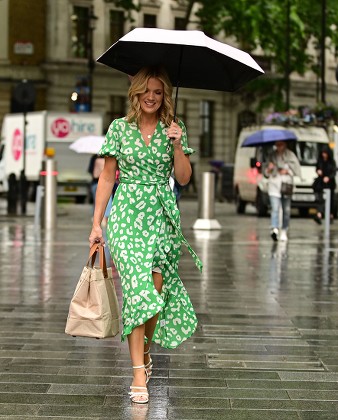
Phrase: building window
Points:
(206, 137)
(149, 21)
(80, 31)
(180, 24)
(116, 23)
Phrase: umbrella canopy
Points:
(87, 144)
(191, 59)
(266, 136)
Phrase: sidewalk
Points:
(266, 346)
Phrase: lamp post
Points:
(91, 62)
(287, 58)
(322, 47)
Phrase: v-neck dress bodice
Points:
(144, 233)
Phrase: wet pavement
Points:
(266, 345)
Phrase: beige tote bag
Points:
(94, 308)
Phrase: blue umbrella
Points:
(261, 137)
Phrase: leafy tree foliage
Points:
(263, 23)
(282, 29)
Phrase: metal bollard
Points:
(40, 192)
(206, 220)
(206, 204)
(49, 181)
(327, 197)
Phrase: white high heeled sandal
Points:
(149, 366)
(134, 396)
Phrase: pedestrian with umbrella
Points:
(95, 167)
(282, 166)
(91, 145)
(144, 233)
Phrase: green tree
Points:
(282, 29)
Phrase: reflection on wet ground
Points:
(266, 346)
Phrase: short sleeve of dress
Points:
(111, 145)
(184, 140)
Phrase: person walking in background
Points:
(326, 169)
(95, 168)
(282, 166)
(144, 232)
(176, 187)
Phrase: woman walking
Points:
(143, 232)
(326, 170)
(282, 167)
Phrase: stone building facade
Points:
(47, 42)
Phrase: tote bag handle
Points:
(102, 258)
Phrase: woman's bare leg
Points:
(151, 323)
(136, 348)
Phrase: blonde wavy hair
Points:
(138, 86)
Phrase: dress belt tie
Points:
(168, 212)
(150, 182)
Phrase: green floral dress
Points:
(144, 233)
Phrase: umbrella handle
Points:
(175, 106)
(178, 80)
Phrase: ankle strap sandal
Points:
(149, 365)
(141, 396)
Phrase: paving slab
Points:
(265, 348)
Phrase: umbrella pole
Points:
(178, 80)
(175, 106)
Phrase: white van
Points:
(56, 130)
(249, 181)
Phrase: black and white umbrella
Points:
(191, 59)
